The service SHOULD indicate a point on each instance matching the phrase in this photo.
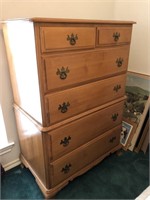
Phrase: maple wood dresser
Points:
(68, 79)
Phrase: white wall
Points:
(95, 9)
(139, 11)
(6, 101)
(40, 8)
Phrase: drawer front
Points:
(77, 133)
(114, 35)
(67, 103)
(70, 69)
(76, 160)
(69, 38)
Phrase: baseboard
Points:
(144, 195)
(12, 164)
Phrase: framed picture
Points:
(137, 103)
(143, 139)
(125, 132)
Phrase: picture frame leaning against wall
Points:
(136, 105)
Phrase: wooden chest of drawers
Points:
(68, 79)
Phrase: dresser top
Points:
(65, 20)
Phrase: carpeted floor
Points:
(122, 176)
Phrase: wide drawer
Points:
(110, 35)
(77, 133)
(70, 69)
(67, 38)
(67, 103)
(79, 158)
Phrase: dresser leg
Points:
(119, 152)
(22, 166)
(52, 197)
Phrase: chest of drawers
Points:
(68, 79)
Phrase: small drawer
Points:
(114, 35)
(67, 103)
(67, 38)
(71, 136)
(69, 164)
(71, 69)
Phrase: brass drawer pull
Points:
(117, 87)
(62, 73)
(65, 141)
(64, 107)
(72, 38)
(115, 116)
(119, 62)
(66, 169)
(116, 36)
(112, 139)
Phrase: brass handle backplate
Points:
(72, 39)
(119, 62)
(64, 107)
(116, 36)
(66, 169)
(62, 73)
(114, 117)
(65, 141)
(117, 87)
(112, 139)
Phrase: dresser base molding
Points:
(50, 193)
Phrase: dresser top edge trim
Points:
(65, 20)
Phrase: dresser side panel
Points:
(20, 47)
(32, 146)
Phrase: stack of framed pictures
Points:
(136, 109)
(143, 139)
